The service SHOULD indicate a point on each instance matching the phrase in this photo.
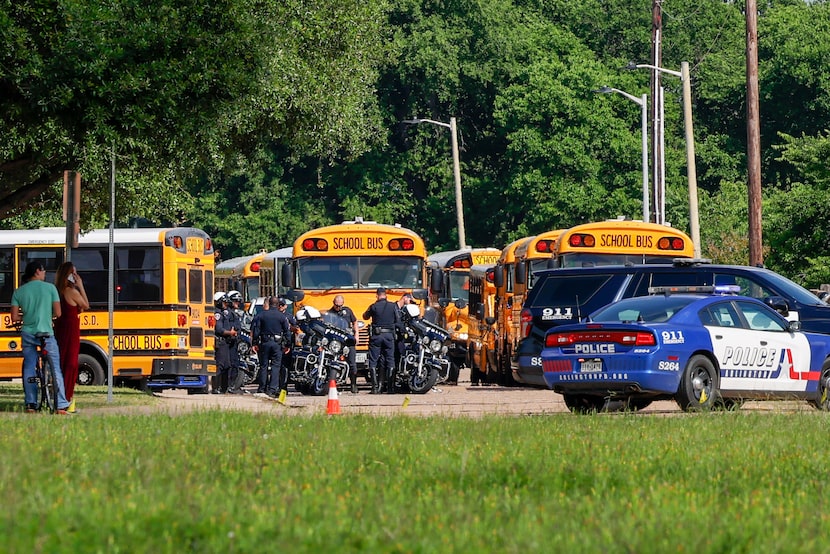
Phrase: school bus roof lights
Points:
(255, 266)
(315, 245)
(671, 243)
(461, 264)
(582, 240)
(401, 244)
(546, 246)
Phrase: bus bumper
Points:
(180, 374)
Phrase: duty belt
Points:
(266, 338)
(379, 330)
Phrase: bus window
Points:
(182, 285)
(6, 275)
(208, 286)
(196, 286)
(51, 258)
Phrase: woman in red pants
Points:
(68, 326)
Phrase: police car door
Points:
(790, 361)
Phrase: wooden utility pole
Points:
(753, 136)
(658, 214)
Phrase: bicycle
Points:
(45, 376)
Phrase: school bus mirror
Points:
(444, 302)
(288, 276)
(551, 263)
(420, 294)
(460, 303)
(489, 320)
(498, 276)
(521, 273)
(436, 280)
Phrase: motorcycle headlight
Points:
(425, 341)
(444, 350)
(324, 341)
(336, 346)
(435, 345)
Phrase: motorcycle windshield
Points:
(337, 321)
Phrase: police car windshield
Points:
(648, 309)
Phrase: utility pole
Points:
(656, 114)
(753, 136)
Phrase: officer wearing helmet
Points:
(269, 329)
(226, 330)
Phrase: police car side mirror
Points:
(794, 326)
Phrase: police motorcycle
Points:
(424, 360)
(321, 352)
(248, 359)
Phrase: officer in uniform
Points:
(225, 344)
(350, 322)
(287, 342)
(385, 318)
(400, 342)
(269, 329)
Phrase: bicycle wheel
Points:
(49, 387)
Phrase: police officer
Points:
(269, 329)
(386, 318)
(227, 356)
(287, 342)
(339, 308)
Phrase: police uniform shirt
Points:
(232, 320)
(272, 323)
(222, 324)
(348, 316)
(383, 313)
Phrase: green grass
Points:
(11, 397)
(242, 482)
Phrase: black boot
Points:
(390, 383)
(373, 377)
(354, 384)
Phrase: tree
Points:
(178, 88)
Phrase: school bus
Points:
(481, 343)
(449, 282)
(163, 315)
(506, 329)
(354, 259)
(270, 272)
(240, 274)
(621, 242)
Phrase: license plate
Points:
(360, 357)
(590, 366)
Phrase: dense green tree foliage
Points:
(258, 120)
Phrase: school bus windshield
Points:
(582, 259)
(356, 272)
(459, 285)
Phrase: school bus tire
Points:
(90, 371)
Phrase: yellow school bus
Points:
(240, 274)
(354, 259)
(506, 328)
(270, 271)
(481, 344)
(163, 313)
(449, 282)
(621, 242)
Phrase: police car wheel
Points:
(698, 388)
(584, 403)
(822, 400)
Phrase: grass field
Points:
(241, 482)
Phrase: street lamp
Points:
(456, 166)
(643, 103)
(691, 171)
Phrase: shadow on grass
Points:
(11, 397)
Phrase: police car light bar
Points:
(699, 289)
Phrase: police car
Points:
(702, 346)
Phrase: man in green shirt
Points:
(35, 304)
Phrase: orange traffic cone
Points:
(333, 406)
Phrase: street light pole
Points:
(643, 103)
(456, 169)
(691, 170)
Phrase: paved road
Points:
(460, 400)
